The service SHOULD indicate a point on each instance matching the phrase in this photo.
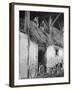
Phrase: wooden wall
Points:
(28, 57)
(23, 55)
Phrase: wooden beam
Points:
(55, 19)
(26, 29)
(27, 21)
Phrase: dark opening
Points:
(56, 51)
(41, 57)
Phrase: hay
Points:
(43, 38)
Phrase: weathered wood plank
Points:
(33, 59)
(23, 55)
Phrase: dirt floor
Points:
(46, 75)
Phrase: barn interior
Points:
(44, 29)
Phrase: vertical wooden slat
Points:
(26, 29)
(33, 60)
(23, 55)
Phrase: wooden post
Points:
(27, 21)
(26, 29)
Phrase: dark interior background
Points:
(42, 15)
